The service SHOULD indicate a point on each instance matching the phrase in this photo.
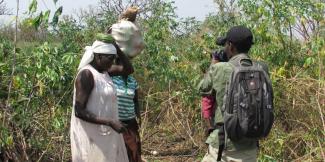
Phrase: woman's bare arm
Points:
(84, 85)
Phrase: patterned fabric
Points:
(132, 140)
(125, 96)
(208, 106)
(216, 80)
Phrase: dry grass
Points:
(173, 128)
(299, 131)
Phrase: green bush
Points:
(35, 126)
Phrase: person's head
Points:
(103, 61)
(104, 54)
(101, 55)
(239, 39)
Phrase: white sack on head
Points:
(97, 47)
(128, 37)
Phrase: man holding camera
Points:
(237, 43)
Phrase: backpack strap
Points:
(237, 61)
(222, 136)
(246, 62)
(222, 141)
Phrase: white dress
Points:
(93, 142)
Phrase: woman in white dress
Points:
(95, 128)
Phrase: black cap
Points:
(237, 35)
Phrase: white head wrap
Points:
(97, 47)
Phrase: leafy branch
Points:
(3, 8)
(42, 19)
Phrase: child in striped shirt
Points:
(128, 110)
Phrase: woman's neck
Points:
(95, 66)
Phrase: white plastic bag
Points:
(128, 37)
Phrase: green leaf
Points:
(68, 58)
(9, 140)
(32, 7)
(55, 1)
(46, 16)
(309, 61)
(57, 13)
(38, 20)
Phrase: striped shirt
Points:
(125, 96)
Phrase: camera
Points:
(220, 55)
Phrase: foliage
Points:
(36, 125)
(3, 8)
(42, 19)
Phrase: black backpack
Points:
(247, 105)
(248, 102)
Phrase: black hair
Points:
(243, 47)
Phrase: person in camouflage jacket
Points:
(237, 43)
